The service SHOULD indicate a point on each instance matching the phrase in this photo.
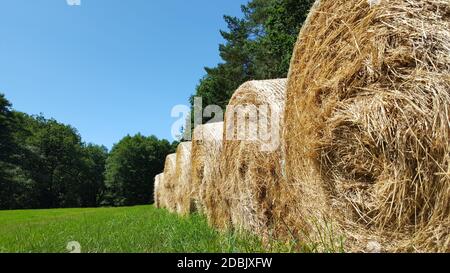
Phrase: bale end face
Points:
(251, 158)
(206, 148)
(158, 194)
(170, 183)
(366, 123)
(183, 191)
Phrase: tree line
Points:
(45, 164)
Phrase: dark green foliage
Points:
(54, 158)
(7, 128)
(13, 181)
(51, 167)
(131, 167)
(92, 184)
(276, 25)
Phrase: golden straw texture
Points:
(205, 158)
(366, 134)
(183, 189)
(159, 181)
(251, 159)
(170, 181)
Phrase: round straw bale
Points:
(170, 183)
(367, 126)
(251, 158)
(206, 146)
(212, 196)
(183, 189)
(157, 190)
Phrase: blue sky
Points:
(108, 67)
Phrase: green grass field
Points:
(142, 229)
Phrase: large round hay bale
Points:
(206, 147)
(206, 157)
(170, 182)
(183, 189)
(367, 124)
(157, 190)
(251, 158)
